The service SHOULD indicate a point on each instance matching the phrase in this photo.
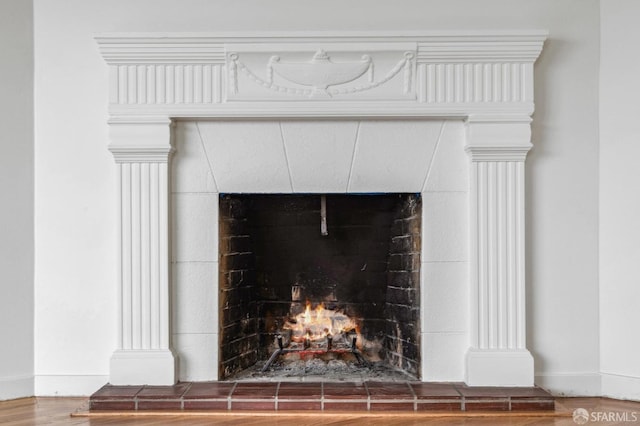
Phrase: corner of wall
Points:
(570, 384)
(16, 387)
(620, 387)
(17, 187)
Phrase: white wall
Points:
(75, 211)
(619, 199)
(16, 187)
(562, 199)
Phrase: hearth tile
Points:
(346, 390)
(534, 392)
(253, 405)
(159, 404)
(112, 405)
(532, 404)
(300, 390)
(435, 391)
(206, 404)
(255, 391)
(209, 390)
(487, 405)
(163, 392)
(439, 405)
(116, 392)
(392, 406)
(482, 392)
(389, 390)
(345, 406)
(299, 405)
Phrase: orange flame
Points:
(316, 324)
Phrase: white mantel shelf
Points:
(482, 77)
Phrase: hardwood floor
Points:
(58, 411)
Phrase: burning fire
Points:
(316, 324)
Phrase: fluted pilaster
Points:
(142, 150)
(498, 355)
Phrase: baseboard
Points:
(570, 384)
(66, 385)
(16, 387)
(620, 387)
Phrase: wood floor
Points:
(58, 411)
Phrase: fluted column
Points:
(142, 148)
(498, 146)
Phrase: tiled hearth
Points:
(320, 396)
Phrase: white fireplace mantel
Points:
(485, 78)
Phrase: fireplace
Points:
(312, 273)
(443, 115)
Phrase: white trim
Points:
(570, 384)
(300, 108)
(620, 386)
(132, 47)
(68, 385)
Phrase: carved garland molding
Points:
(320, 73)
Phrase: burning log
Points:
(314, 325)
(308, 331)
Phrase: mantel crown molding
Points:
(179, 48)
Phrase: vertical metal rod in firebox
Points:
(280, 345)
(323, 216)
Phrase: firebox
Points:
(328, 279)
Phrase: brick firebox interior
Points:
(275, 259)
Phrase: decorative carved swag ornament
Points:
(321, 74)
